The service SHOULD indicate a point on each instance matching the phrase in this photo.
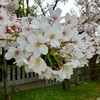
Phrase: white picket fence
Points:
(18, 77)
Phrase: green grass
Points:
(87, 91)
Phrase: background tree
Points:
(90, 13)
(25, 10)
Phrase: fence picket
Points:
(18, 76)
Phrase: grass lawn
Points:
(87, 91)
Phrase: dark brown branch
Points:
(56, 2)
(97, 3)
(42, 10)
(39, 4)
(27, 10)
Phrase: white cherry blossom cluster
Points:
(89, 22)
(48, 46)
(92, 28)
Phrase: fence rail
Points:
(18, 77)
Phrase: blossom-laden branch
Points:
(45, 45)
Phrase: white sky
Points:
(70, 5)
(65, 8)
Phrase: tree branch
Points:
(38, 2)
(97, 3)
(27, 9)
(56, 2)
(42, 10)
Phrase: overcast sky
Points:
(70, 5)
(65, 8)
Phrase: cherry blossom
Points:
(45, 45)
(71, 20)
(53, 35)
(55, 14)
(37, 65)
(14, 53)
(37, 45)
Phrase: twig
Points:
(56, 2)
(42, 10)
(38, 2)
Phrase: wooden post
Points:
(66, 84)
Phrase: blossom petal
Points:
(41, 39)
(30, 48)
(43, 49)
(58, 12)
(32, 38)
(9, 55)
(54, 43)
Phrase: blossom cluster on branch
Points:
(89, 21)
(49, 46)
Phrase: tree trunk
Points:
(5, 76)
(93, 70)
(27, 9)
(66, 84)
(6, 87)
